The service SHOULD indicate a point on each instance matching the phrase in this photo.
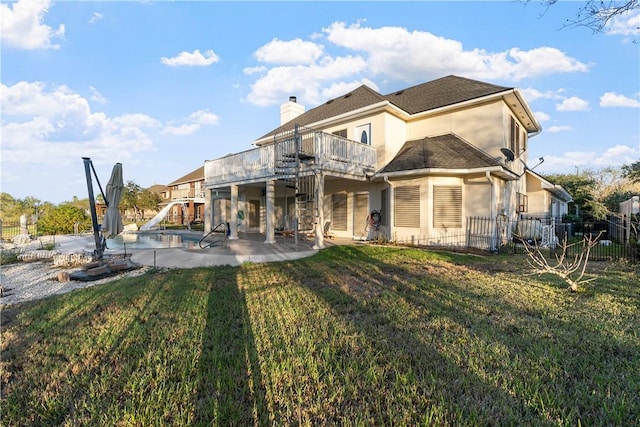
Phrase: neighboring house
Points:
(421, 160)
(184, 198)
(545, 198)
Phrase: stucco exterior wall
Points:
(483, 126)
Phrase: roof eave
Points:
(354, 114)
(496, 170)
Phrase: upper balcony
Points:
(313, 150)
(188, 194)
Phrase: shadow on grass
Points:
(419, 381)
(485, 352)
(230, 386)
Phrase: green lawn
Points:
(355, 335)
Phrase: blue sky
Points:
(163, 86)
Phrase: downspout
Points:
(391, 203)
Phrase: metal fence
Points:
(505, 235)
(10, 229)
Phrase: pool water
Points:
(154, 240)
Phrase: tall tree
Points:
(632, 172)
(131, 197)
(583, 189)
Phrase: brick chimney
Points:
(290, 110)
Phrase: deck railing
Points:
(188, 193)
(330, 153)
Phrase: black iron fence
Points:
(501, 234)
(11, 229)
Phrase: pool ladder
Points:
(216, 237)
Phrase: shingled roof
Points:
(446, 151)
(416, 99)
(358, 98)
(440, 93)
(195, 175)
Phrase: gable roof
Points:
(157, 188)
(438, 93)
(446, 151)
(441, 93)
(363, 96)
(196, 175)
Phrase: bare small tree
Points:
(595, 14)
(569, 268)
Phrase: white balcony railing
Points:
(188, 193)
(327, 152)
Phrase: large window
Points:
(447, 206)
(406, 206)
(339, 205)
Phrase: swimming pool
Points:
(155, 240)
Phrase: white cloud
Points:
(614, 156)
(96, 96)
(541, 116)
(612, 99)
(573, 103)
(339, 89)
(22, 26)
(294, 51)
(182, 130)
(95, 17)
(255, 70)
(399, 53)
(191, 59)
(307, 69)
(191, 124)
(302, 81)
(627, 24)
(204, 117)
(556, 129)
(55, 126)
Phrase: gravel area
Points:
(26, 281)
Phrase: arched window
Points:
(363, 137)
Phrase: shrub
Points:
(60, 219)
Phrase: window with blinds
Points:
(384, 207)
(360, 213)
(447, 206)
(406, 203)
(339, 214)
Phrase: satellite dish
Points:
(508, 154)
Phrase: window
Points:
(384, 207)
(406, 206)
(523, 203)
(514, 139)
(339, 205)
(523, 141)
(447, 206)
(342, 133)
(363, 133)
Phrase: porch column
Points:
(319, 230)
(233, 221)
(270, 212)
(208, 210)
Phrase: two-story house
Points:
(410, 166)
(186, 194)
